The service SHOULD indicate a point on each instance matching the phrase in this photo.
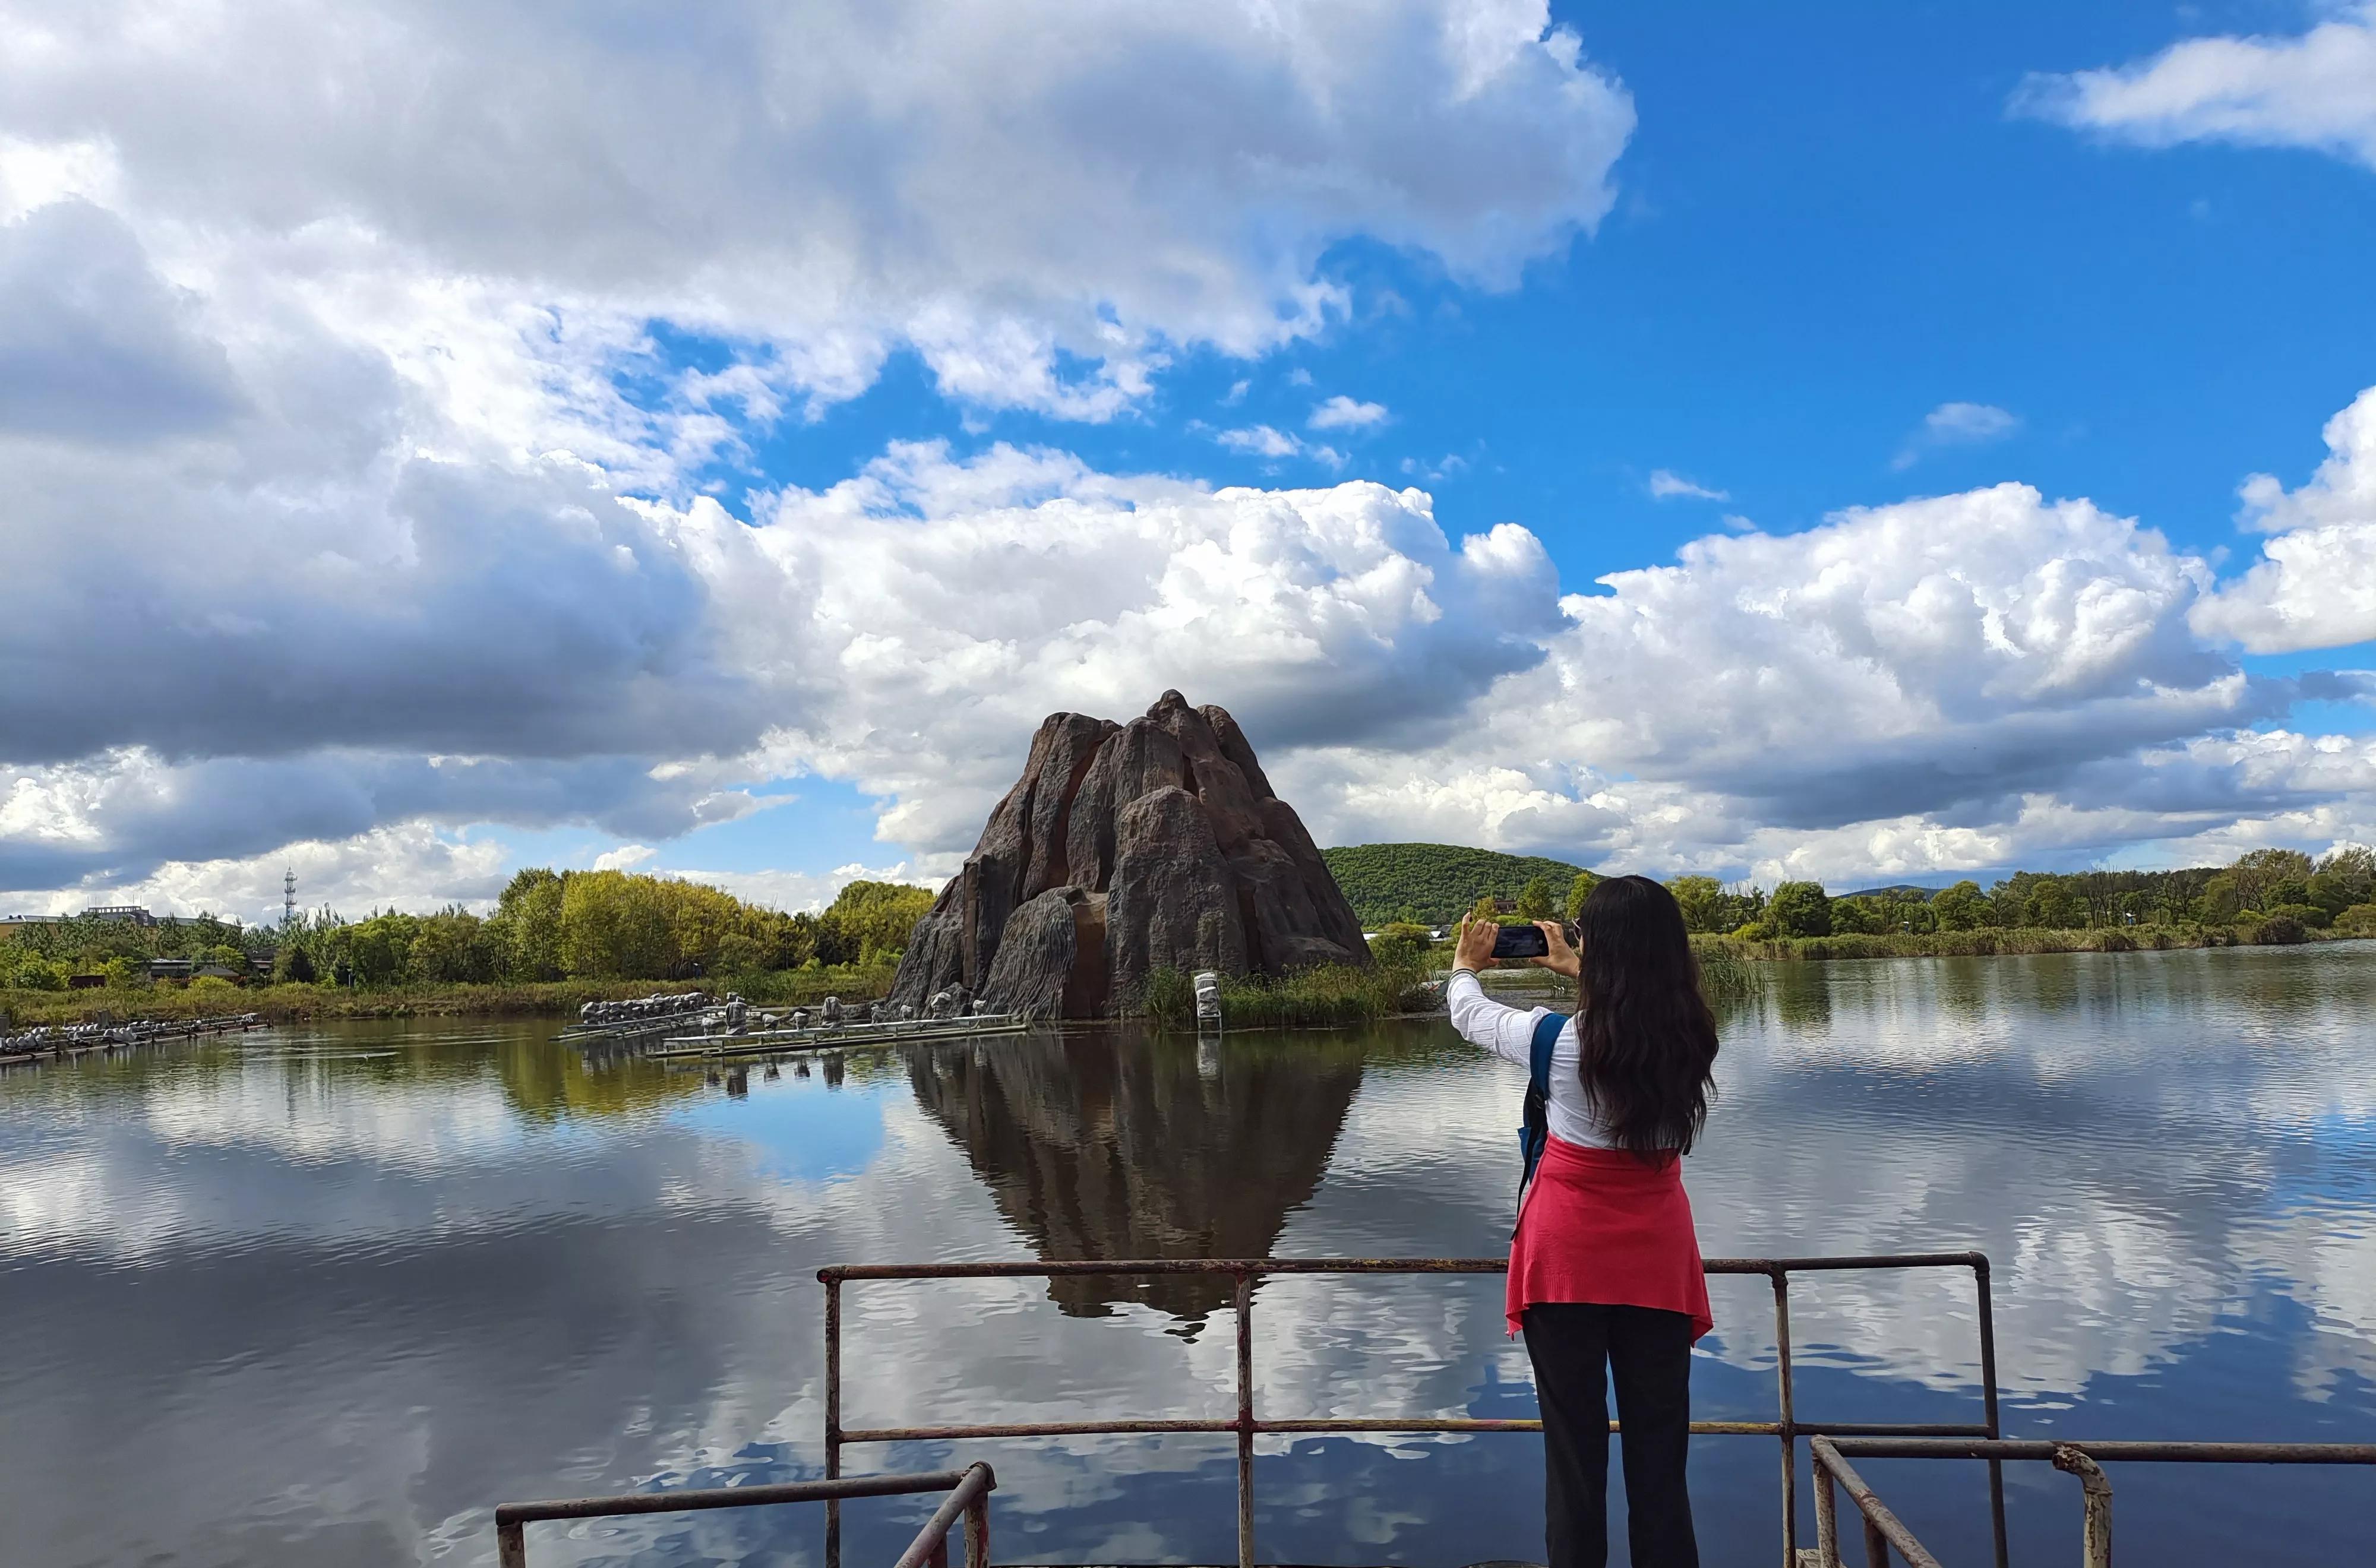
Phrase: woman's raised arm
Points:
(1507, 1032)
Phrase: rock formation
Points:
(1124, 848)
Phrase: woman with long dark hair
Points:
(1605, 1265)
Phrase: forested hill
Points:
(1434, 882)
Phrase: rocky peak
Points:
(1124, 848)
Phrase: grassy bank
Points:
(1329, 994)
(1993, 941)
(302, 1003)
(1725, 968)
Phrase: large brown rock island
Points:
(1124, 848)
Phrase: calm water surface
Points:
(325, 1295)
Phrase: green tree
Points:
(1858, 914)
(2259, 874)
(530, 914)
(2053, 904)
(613, 926)
(1534, 900)
(1579, 890)
(1909, 913)
(454, 947)
(1800, 909)
(293, 965)
(2343, 878)
(379, 950)
(1698, 897)
(1960, 906)
(2222, 900)
(1739, 906)
(869, 922)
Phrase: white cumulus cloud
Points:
(1956, 425)
(1963, 681)
(1260, 441)
(2315, 584)
(1666, 485)
(824, 184)
(1341, 413)
(2315, 90)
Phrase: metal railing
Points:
(1884, 1529)
(968, 1494)
(1246, 1425)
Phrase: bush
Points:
(2310, 915)
(2359, 920)
(1755, 931)
(2279, 931)
(1168, 997)
(1400, 945)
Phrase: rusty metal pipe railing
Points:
(2151, 1452)
(1883, 1529)
(968, 1497)
(968, 1494)
(2080, 1458)
(1246, 1425)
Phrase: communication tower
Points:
(287, 899)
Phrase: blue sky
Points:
(906, 421)
(1827, 226)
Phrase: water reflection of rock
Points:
(1168, 1151)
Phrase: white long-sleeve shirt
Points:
(1509, 1033)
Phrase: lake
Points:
(327, 1294)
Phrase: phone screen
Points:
(1519, 942)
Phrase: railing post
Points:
(1789, 1432)
(511, 1545)
(1876, 1544)
(1245, 1418)
(1988, 1403)
(1827, 1517)
(2096, 1544)
(832, 1417)
(977, 1526)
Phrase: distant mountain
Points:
(1434, 882)
(1895, 890)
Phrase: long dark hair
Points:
(1647, 1036)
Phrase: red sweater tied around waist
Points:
(1607, 1227)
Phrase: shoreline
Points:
(300, 1003)
(293, 1003)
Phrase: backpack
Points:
(1536, 1132)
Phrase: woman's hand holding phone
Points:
(1472, 944)
(1561, 960)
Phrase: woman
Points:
(1605, 1267)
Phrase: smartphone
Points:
(1519, 942)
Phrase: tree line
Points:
(548, 925)
(2337, 892)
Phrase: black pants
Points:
(1650, 1352)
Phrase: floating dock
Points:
(842, 1037)
(58, 1041)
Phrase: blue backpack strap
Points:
(1536, 1132)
